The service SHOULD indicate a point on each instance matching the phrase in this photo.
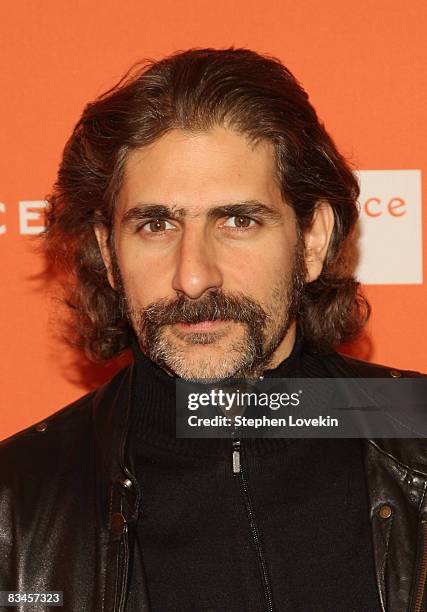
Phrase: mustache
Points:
(213, 306)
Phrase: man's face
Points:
(207, 255)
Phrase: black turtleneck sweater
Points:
(290, 533)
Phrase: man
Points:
(203, 213)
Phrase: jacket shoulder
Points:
(68, 415)
(43, 452)
(407, 453)
(58, 436)
(358, 368)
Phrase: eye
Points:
(156, 226)
(240, 222)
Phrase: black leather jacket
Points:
(69, 502)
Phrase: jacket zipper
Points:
(239, 471)
(422, 574)
(124, 546)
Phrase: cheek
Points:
(259, 274)
(144, 282)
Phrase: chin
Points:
(203, 356)
(209, 369)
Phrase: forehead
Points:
(195, 171)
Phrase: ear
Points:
(317, 238)
(102, 235)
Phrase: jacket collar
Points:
(112, 417)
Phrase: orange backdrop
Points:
(364, 65)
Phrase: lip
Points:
(201, 326)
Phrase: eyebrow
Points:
(145, 210)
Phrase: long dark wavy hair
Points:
(195, 90)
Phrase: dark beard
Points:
(148, 323)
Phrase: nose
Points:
(196, 267)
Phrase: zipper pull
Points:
(236, 456)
